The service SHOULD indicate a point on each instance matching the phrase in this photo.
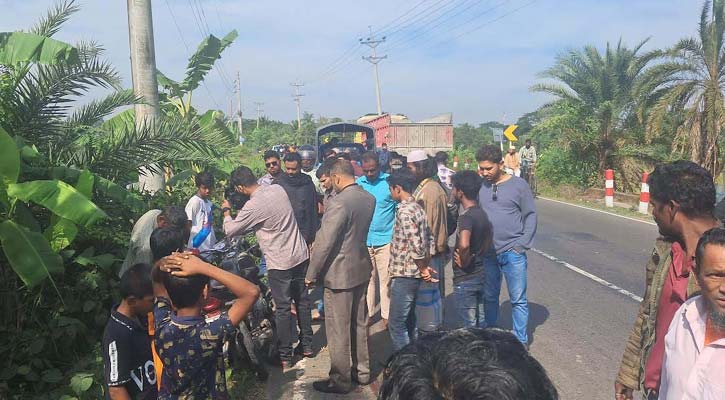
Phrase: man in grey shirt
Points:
(139, 248)
(269, 214)
(510, 207)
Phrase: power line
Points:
(374, 59)
(382, 29)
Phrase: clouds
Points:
(478, 76)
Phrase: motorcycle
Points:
(255, 338)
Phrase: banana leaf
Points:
(60, 198)
(29, 254)
(22, 47)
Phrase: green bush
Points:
(560, 167)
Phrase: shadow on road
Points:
(538, 314)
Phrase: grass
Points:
(243, 385)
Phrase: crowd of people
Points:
(370, 235)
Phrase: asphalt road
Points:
(578, 324)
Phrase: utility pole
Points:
(259, 111)
(298, 99)
(143, 74)
(374, 60)
(239, 103)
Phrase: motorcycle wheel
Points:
(245, 345)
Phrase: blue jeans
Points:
(401, 322)
(469, 296)
(513, 266)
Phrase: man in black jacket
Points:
(302, 194)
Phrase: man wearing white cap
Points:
(512, 162)
(432, 197)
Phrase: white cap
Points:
(417, 155)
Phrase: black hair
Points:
(404, 178)
(330, 153)
(371, 156)
(467, 182)
(175, 216)
(165, 241)
(204, 178)
(342, 167)
(270, 154)
(184, 291)
(472, 363)
(489, 153)
(384, 144)
(242, 176)
(344, 156)
(325, 168)
(293, 157)
(441, 157)
(715, 237)
(527, 141)
(687, 183)
(136, 282)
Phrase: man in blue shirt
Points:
(374, 181)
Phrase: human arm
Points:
(327, 239)
(313, 220)
(436, 211)
(247, 219)
(181, 264)
(528, 216)
(462, 254)
(118, 393)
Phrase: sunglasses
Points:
(494, 196)
(271, 164)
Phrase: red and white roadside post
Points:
(644, 195)
(609, 188)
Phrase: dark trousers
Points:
(346, 319)
(288, 286)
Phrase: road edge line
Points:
(596, 210)
(589, 275)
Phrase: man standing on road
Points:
(199, 212)
(302, 194)
(273, 166)
(527, 156)
(682, 195)
(432, 197)
(269, 214)
(509, 204)
(384, 158)
(472, 242)
(381, 231)
(341, 261)
(695, 342)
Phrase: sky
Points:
(476, 59)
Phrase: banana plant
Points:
(178, 94)
(34, 255)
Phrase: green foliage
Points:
(470, 137)
(16, 47)
(562, 167)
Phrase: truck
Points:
(403, 135)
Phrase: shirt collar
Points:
(188, 320)
(130, 323)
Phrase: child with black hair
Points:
(189, 346)
(127, 360)
(199, 212)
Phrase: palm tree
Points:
(685, 91)
(595, 91)
(39, 107)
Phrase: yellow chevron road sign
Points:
(509, 133)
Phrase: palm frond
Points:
(51, 23)
(93, 113)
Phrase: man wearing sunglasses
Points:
(273, 166)
(509, 204)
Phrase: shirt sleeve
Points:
(528, 216)
(117, 366)
(162, 313)
(221, 327)
(247, 219)
(465, 223)
(411, 228)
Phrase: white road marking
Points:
(590, 276)
(599, 211)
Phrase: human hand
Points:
(225, 204)
(309, 283)
(183, 264)
(622, 392)
(427, 274)
(456, 259)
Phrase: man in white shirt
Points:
(198, 210)
(695, 343)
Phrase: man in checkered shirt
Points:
(409, 258)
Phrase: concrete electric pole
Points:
(259, 111)
(298, 99)
(239, 103)
(374, 60)
(143, 74)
